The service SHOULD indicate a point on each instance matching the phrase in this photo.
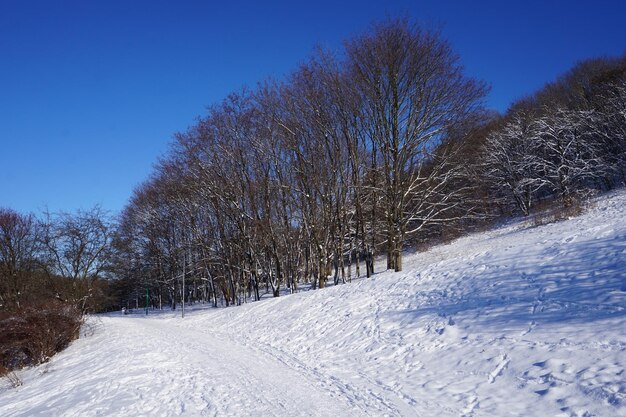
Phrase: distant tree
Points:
(19, 252)
(511, 165)
(612, 126)
(568, 154)
(77, 247)
(564, 141)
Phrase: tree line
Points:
(62, 256)
(356, 155)
(384, 145)
(310, 177)
(566, 141)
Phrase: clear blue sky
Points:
(91, 92)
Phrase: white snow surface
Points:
(516, 321)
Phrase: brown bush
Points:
(557, 212)
(33, 334)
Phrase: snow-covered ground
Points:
(518, 321)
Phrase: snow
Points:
(517, 321)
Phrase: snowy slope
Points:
(519, 321)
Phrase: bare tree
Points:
(612, 127)
(567, 151)
(510, 163)
(412, 89)
(77, 247)
(19, 251)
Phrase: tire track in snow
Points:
(366, 404)
(242, 382)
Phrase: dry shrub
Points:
(33, 334)
(558, 212)
(11, 376)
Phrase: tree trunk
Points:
(322, 273)
(398, 257)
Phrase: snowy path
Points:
(518, 321)
(144, 366)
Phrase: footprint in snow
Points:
(472, 404)
(531, 326)
(502, 364)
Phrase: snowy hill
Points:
(518, 321)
